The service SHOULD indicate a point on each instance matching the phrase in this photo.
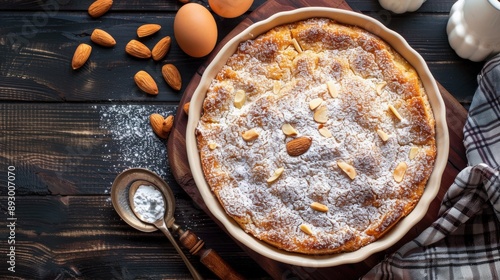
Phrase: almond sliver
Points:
(395, 112)
(319, 207)
(306, 229)
(277, 173)
(399, 171)
(347, 168)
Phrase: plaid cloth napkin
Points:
(464, 242)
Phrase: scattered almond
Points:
(156, 121)
(384, 136)
(186, 108)
(347, 168)
(239, 98)
(277, 173)
(296, 45)
(321, 114)
(172, 76)
(146, 83)
(168, 123)
(325, 132)
(313, 104)
(395, 112)
(99, 8)
(250, 135)
(413, 152)
(306, 229)
(288, 130)
(381, 86)
(319, 207)
(332, 89)
(137, 49)
(81, 55)
(161, 48)
(400, 171)
(147, 29)
(298, 146)
(102, 38)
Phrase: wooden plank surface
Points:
(69, 133)
(49, 247)
(50, 6)
(108, 75)
(66, 225)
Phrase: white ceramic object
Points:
(401, 6)
(474, 28)
(435, 99)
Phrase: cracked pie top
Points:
(316, 137)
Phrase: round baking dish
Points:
(403, 226)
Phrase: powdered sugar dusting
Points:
(360, 209)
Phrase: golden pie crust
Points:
(317, 137)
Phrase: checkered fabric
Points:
(464, 242)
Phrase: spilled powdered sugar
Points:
(129, 142)
(132, 142)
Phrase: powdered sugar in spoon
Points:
(123, 190)
(148, 205)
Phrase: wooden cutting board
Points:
(176, 148)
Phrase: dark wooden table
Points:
(65, 135)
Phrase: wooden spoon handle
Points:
(208, 257)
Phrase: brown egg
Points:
(230, 8)
(195, 30)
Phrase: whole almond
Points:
(137, 49)
(81, 55)
(186, 108)
(168, 123)
(102, 38)
(172, 76)
(146, 83)
(156, 121)
(99, 8)
(161, 48)
(147, 29)
(298, 146)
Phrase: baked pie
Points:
(316, 137)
